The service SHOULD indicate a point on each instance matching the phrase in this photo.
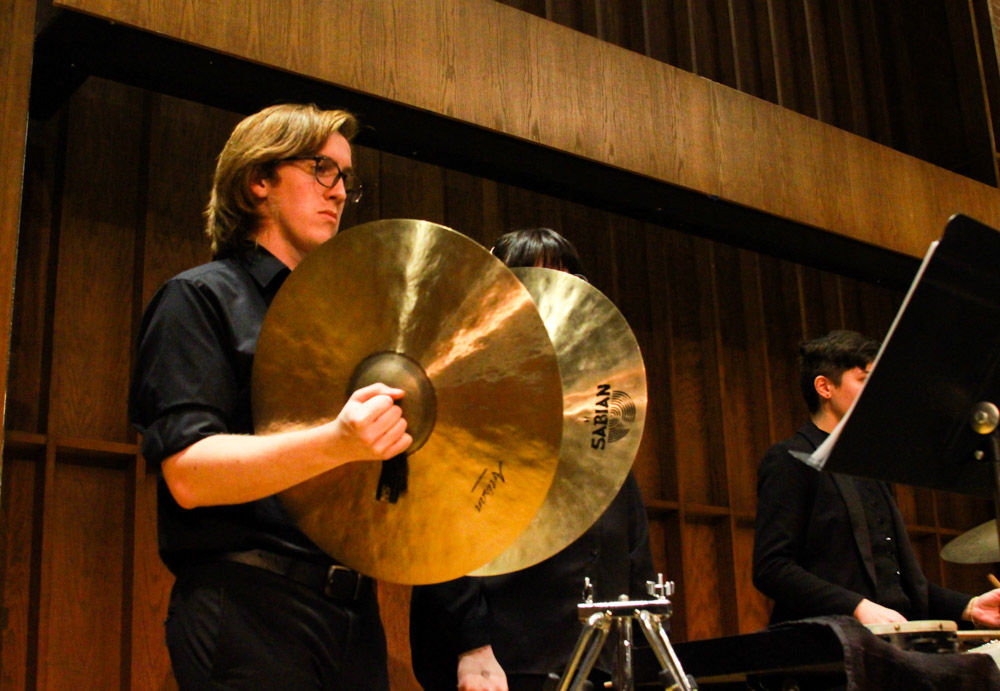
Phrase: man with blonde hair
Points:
(256, 604)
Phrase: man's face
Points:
(297, 214)
(842, 395)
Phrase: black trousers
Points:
(232, 626)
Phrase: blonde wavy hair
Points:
(257, 143)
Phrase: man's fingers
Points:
(366, 393)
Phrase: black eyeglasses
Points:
(328, 174)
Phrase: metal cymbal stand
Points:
(598, 618)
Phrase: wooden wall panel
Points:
(27, 401)
(752, 608)
(781, 305)
(81, 613)
(21, 531)
(699, 448)
(707, 592)
(149, 664)
(415, 52)
(739, 330)
(658, 477)
(668, 32)
(16, 36)
(183, 141)
(93, 303)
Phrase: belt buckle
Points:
(329, 587)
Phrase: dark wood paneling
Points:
(699, 447)
(394, 601)
(92, 330)
(782, 308)
(753, 609)
(28, 381)
(81, 611)
(184, 139)
(743, 379)
(150, 592)
(707, 593)
(620, 23)
(16, 36)
(21, 563)
(668, 31)
(525, 96)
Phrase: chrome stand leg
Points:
(652, 626)
(588, 647)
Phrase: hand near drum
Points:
(478, 670)
(868, 612)
(984, 610)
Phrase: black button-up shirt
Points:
(884, 541)
(192, 380)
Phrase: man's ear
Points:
(259, 185)
(822, 385)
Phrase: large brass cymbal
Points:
(604, 399)
(979, 545)
(426, 295)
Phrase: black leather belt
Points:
(332, 580)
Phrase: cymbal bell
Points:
(425, 308)
(979, 545)
(604, 411)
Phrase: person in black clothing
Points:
(830, 544)
(255, 603)
(510, 631)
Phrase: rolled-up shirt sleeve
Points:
(184, 386)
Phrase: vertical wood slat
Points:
(46, 579)
(972, 97)
(752, 49)
(83, 635)
(987, 14)
(668, 32)
(693, 380)
(151, 584)
(876, 84)
(819, 61)
(663, 472)
(620, 24)
(713, 42)
(739, 329)
(16, 40)
(93, 312)
(854, 69)
(22, 551)
(31, 337)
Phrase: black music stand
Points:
(935, 379)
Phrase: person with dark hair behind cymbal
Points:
(830, 544)
(511, 631)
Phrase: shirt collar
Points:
(813, 434)
(264, 267)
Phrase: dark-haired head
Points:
(538, 247)
(830, 356)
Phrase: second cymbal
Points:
(604, 411)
